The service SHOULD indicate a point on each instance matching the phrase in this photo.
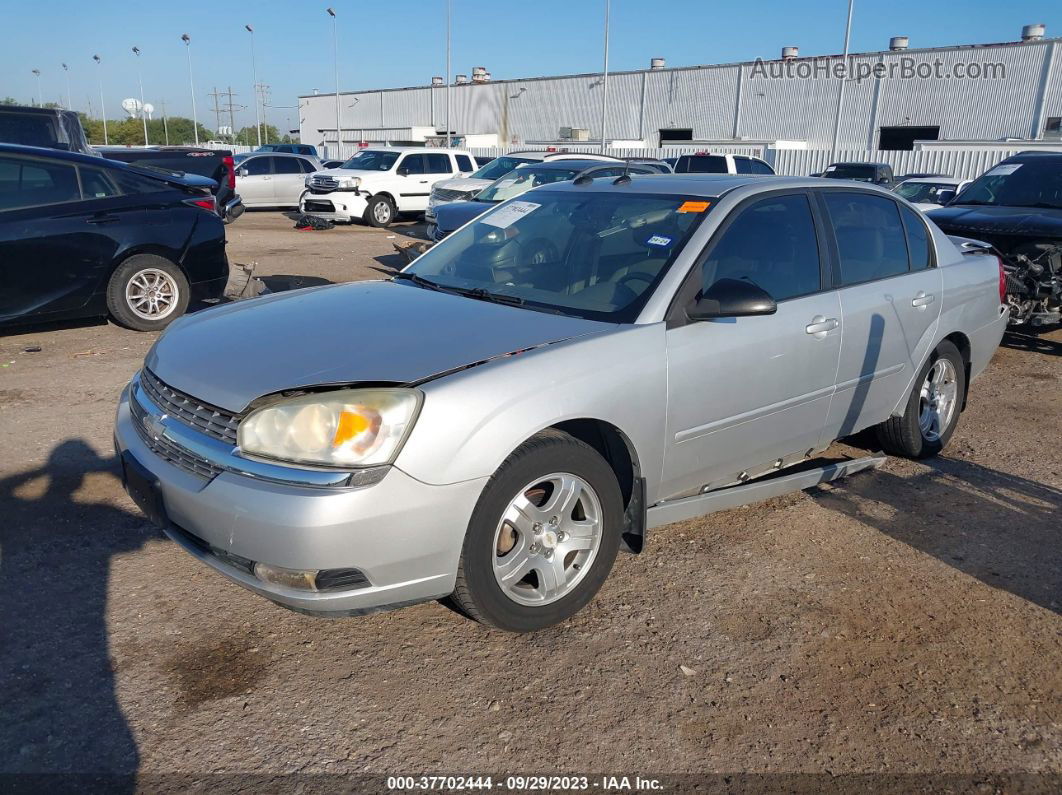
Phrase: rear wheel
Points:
(543, 537)
(147, 293)
(933, 408)
(380, 212)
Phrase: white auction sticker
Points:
(506, 216)
(1002, 171)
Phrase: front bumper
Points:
(341, 205)
(405, 536)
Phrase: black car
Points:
(291, 149)
(874, 173)
(1016, 207)
(449, 217)
(81, 236)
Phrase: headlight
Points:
(350, 427)
(349, 183)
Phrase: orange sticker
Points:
(694, 207)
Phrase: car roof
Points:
(271, 153)
(936, 180)
(1031, 154)
(709, 186)
(572, 164)
(860, 163)
(56, 154)
(429, 149)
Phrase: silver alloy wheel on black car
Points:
(547, 539)
(147, 292)
(151, 294)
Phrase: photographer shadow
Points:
(57, 679)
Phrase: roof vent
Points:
(898, 43)
(438, 81)
(480, 74)
(1033, 32)
(461, 79)
(789, 53)
(657, 63)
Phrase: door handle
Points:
(424, 182)
(266, 176)
(923, 299)
(104, 219)
(820, 325)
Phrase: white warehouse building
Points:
(891, 98)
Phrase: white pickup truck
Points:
(378, 183)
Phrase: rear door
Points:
(745, 392)
(254, 181)
(289, 181)
(56, 246)
(889, 309)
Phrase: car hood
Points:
(463, 184)
(361, 332)
(974, 220)
(449, 217)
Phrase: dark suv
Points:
(874, 173)
(48, 127)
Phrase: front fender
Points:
(472, 420)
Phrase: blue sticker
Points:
(658, 240)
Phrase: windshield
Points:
(925, 192)
(1032, 183)
(499, 166)
(861, 173)
(241, 157)
(702, 164)
(522, 180)
(595, 255)
(372, 160)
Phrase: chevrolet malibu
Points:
(565, 371)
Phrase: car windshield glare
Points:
(372, 160)
(595, 255)
(498, 167)
(861, 173)
(523, 179)
(1026, 184)
(925, 192)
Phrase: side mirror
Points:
(945, 197)
(243, 172)
(731, 298)
(403, 171)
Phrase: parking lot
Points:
(903, 620)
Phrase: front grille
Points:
(168, 451)
(323, 182)
(448, 194)
(317, 206)
(237, 562)
(212, 421)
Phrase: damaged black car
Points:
(1016, 207)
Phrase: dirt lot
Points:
(903, 621)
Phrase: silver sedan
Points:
(571, 368)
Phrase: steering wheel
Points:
(634, 276)
(539, 251)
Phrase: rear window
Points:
(33, 183)
(701, 164)
(29, 129)
(842, 171)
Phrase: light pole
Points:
(103, 110)
(844, 80)
(449, 12)
(254, 76)
(191, 84)
(604, 80)
(69, 102)
(40, 100)
(335, 56)
(140, 80)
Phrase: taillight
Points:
(203, 204)
(230, 166)
(1002, 282)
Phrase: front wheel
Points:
(543, 537)
(147, 293)
(932, 410)
(380, 212)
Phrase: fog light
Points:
(301, 579)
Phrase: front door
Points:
(254, 181)
(745, 392)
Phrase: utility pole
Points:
(262, 93)
(217, 110)
(69, 101)
(165, 124)
(191, 83)
(40, 97)
(844, 80)
(604, 81)
(254, 78)
(335, 56)
(232, 117)
(103, 110)
(140, 80)
(449, 11)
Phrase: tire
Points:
(565, 559)
(139, 275)
(922, 431)
(380, 212)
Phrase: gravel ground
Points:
(903, 621)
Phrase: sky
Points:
(388, 45)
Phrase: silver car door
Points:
(254, 181)
(745, 392)
(289, 181)
(888, 311)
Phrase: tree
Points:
(130, 132)
(249, 137)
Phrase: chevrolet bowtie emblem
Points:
(154, 426)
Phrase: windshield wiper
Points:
(420, 281)
(486, 295)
